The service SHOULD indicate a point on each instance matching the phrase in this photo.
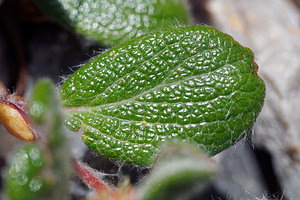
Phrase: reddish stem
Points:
(90, 178)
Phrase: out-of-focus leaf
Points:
(180, 172)
(114, 21)
(24, 178)
(42, 171)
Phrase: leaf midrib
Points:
(165, 79)
(159, 84)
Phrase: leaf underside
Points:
(179, 172)
(112, 22)
(192, 84)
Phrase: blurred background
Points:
(264, 165)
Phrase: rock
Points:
(271, 29)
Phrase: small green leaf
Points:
(45, 110)
(24, 179)
(114, 21)
(42, 170)
(42, 100)
(51, 122)
(179, 173)
(192, 84)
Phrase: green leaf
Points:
(43, 101)
(42, 171)
(24, 178)
(192, 84)
(114, 21)
(51, 121)
(45, 110)
(179, 173)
